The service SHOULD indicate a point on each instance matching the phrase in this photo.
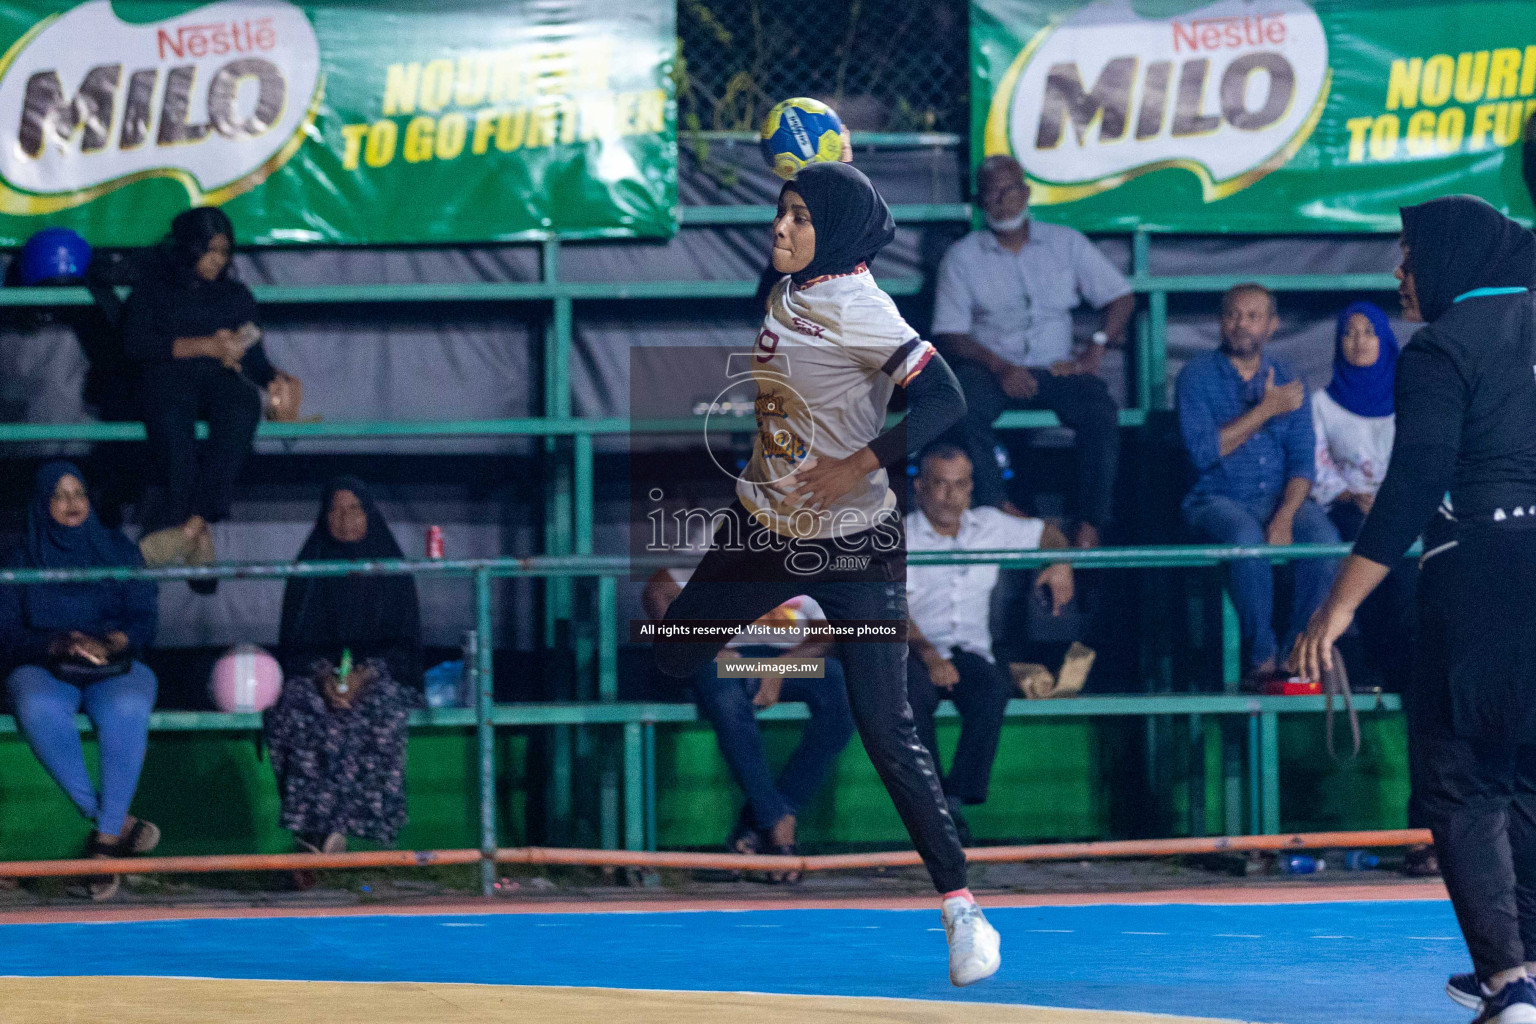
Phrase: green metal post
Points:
(485, 734)
(1231, 644)
(582, 632)
(1231, 778)
(1141, 266)
(1269, 760)
(1157, 357)
(650, 784)
(634, 787)
(1196, 774)
(1255, 783)
(584, 510)
(608, 797)
(607, 638)
(558, 590)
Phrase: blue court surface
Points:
(1320, 963)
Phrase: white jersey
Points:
(826, 361)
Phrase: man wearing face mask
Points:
(1003, 313)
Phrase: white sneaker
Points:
(974, 952)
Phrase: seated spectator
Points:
(350, 647)
(1003, 315)
(1354, 424)
(950, 628)
(767, 822)
(1251, 442)
(74, 645)
(190, 330)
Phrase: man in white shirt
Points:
(1003, 316)
(949, 605)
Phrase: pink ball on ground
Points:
(246, 679)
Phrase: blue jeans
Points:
(727, 704)
(119, 707)
(1225, 521)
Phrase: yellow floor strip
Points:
(201, 1001)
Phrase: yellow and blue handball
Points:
(798, 132)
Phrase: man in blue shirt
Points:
(1245, 425)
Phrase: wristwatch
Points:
(1100, 338)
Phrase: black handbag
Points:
(79, 672)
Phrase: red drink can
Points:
(434, 542)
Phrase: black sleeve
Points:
(147, 337)
(241, 310)
(1431, 398)
(934, 404)
(257, 366)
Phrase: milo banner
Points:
(1255, 115)
(387, 121)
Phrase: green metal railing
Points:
(638, 721)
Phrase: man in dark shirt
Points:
(1245, 426)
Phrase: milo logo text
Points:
(211, 97)
(1227, 92)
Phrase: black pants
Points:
(1081, 401)
(981, 697)
(1479, 800)
(174, 394)
(739, 582)
(1471, 734)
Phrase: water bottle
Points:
(1004, 464)
(1299, 864)
(1360, 860)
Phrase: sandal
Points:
(101, 887)
(745, 840)
(306, 879)
(791, 877)
(1421, 862)
(138, 837)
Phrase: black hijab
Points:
(1458, 243)
(852, 222)
(373, 615)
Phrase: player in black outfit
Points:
(1463, 473)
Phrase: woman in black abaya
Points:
(351, 653)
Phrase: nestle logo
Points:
(215, 40)
(1229, 33)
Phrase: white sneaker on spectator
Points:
(974, 945)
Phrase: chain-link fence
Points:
(885, 65)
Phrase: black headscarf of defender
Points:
(1460, 243)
